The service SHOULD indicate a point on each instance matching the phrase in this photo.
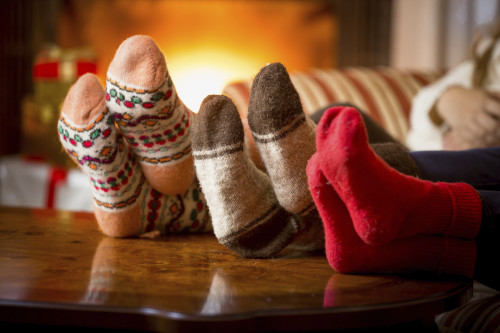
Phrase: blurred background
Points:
(46, 44)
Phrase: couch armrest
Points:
(383, 92)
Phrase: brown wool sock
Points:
(246, 215)
(395, 155)
(285, 138)
(146, 107)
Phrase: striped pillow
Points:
(480, 314)
(384, 93)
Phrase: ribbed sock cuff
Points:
(459, 257)
(454, 210)
(467, 206)
(446, 255)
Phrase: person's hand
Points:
(473, 116)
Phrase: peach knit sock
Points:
(125, 203)
(87, 132)
(146, 107)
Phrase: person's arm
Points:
(472, 115)
(425, 126)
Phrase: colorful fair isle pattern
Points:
(156, 123)
(175, 214)
(114, 173)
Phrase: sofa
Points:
(384, 93)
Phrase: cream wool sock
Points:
(146, 107)
(245, 212)
(125, 203)
(285, 138)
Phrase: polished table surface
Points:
(56, 268)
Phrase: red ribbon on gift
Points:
(52, 69)
(57, 176)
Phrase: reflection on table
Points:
(58, 269)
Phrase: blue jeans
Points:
(479, 168)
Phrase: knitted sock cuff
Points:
(459, 257)
(454, 209)
(468, 210)
(446, 255)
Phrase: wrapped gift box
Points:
(54, 71)
(30, 183)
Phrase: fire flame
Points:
(207, 44)
(205, 72)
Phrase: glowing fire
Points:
(202, 73)
(207, 44)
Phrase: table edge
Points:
(160, 320)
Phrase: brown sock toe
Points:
(397, 157)
(274, 102)
(217, 125)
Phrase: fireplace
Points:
(207, 43)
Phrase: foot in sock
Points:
(383, 203)
(285, 138)
(146, 107)
(88, 134)
(125, 204)
(348, 253)
(246, 215)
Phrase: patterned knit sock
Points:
(146, 107)
(125, 203)
(245, 213)
(88, 134)
(347, 253)
(385, 204)
(285, 138)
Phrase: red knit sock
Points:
(383, 203)
(347, 253)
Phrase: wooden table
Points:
(57, 269)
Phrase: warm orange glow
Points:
(196, 82)
(201, 73)
(207, 43)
